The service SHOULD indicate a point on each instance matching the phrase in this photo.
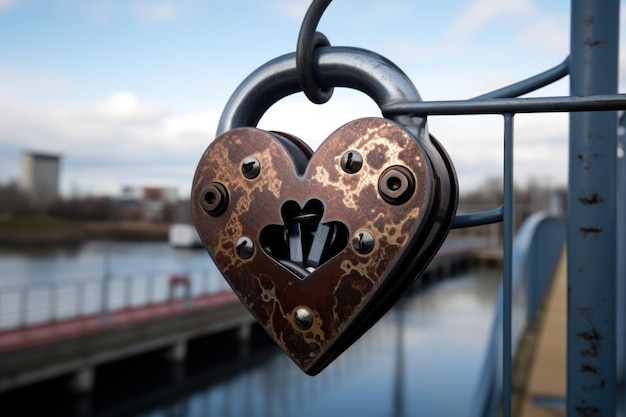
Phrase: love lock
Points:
(318, 246)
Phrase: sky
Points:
(129, 92)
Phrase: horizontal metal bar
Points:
(509, 105)
(530, 84)
(478, 218)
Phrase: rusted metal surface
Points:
(592, 211)
(316, 314)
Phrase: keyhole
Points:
(349, 161)
(363, 242)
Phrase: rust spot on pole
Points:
(591, 43)
(588, 411)
(586, 230)
(593, 337)
(593, 199)
(588, 368)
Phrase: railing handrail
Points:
(112, 292)
(525, 256)
(98, 279)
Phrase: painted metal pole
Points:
(507, 279)
(591, 234)
(621, 262)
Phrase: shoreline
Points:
(68, 233)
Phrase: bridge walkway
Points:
(541, 392)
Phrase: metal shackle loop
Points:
(334, 66)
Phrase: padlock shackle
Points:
(334, 66)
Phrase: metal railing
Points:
(595, 224)
(29, 305)
(536, 251)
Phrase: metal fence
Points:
(29, 305)
(536, 251)
(595, 228)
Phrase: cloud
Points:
(121, 139)
(483, 12)
(291, 9)
(21, 82)
(154, 11)
(6, 5)
(541, 33)
(126, 107)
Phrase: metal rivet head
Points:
(351, 162)
(245, 247)
(303, 318)
(363, 242)
(396, 185)
(214, 198)
(250, 167)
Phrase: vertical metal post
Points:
(128, 292)
(106, 281)
(507, 279)
(621, 263)
(53, 303)
(591, 235)
(80, 299)
(23, 319)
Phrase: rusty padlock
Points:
(319, 245)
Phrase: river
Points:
(422, 359)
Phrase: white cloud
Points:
(119, 140)
(126, 107)
(480, 13)
(103, 11)
(6, 4)
(544, 33)
(154, 11)
(291, 9)
(123, 139)
(20, 82)
(314, 123)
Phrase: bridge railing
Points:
(536, 251)
(28, 305)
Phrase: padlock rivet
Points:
(245, 247)
(303, 318)
(396, 185)
(214, 198)
(363, 242)
(351, 162)
(250, 167)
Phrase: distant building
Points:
(40, 176)
(156, 203)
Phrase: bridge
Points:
(76, 344)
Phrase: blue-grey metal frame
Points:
(591, 229)
(593, 191)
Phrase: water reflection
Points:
(89, 261)
(421, 359)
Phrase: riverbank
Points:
(56, 232)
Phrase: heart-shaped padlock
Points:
(318, 246)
